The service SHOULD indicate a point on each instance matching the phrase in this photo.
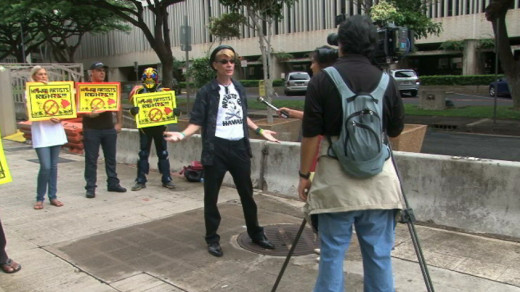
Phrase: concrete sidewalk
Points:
(152, 240)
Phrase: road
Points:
(459, 100)
(452, 143)
(472, 145)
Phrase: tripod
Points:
(407, 216)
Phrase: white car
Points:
(296, 82)
(407, 81)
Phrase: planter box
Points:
(411, 138)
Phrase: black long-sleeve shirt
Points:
(323, 111)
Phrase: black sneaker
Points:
(169, 185)
(138, 186)
(90, 194)
(118, 189)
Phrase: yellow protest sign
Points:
(99, 96)
(50, 100)
(261, 88)
(155, 108)
(5, 175)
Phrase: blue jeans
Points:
(376, 234)
(92, 139)
(48, 175)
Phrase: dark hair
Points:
(357, 35)
(324, 56)
(218, 49)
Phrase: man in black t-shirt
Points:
(99, 130)
(339, 200)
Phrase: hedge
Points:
(458, 79)
(246, 83)
(425, 80)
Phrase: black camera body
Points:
(393, 42)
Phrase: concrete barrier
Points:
(474, 195)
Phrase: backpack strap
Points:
(339, 82)
(381, 87)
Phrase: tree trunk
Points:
(496, 13)
(264, 49)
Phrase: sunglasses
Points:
(224, 62)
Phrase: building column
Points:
(7, 110)
(470, 61)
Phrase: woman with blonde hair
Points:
(47, 139)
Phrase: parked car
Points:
(499, 88)
(296, 82)
(407, 81)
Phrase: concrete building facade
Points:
(304, 27)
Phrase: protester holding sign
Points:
(47, 138)
(220, 110)
(99, 130)
(150, 80)
(7, 265)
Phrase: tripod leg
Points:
(289, 255)
(420, 257)
(409, 218)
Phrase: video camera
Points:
(393, 42)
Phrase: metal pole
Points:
(187, 67)
(497, 32)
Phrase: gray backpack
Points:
(360, 149)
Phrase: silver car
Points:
(407, 81)
(296, 82)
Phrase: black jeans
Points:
(146, 136)
(92, 139)
(3, 242)
(230, 156)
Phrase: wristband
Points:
(303, 175)
(183, 135)
(259, 131)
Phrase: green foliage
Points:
(452, 45)
(227, 25)
(200, 72)
(266, 8)
(60, 23)
(457, 79)
(409, 13)
(283, 56)
(486, 43)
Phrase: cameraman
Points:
(340, 200)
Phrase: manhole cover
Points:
(282, 236)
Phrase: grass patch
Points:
(503, 112)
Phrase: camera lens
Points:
(332, 39)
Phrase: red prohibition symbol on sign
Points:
(51, 107)
(97, 103)
(155, 115)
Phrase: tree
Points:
(496, 13)
(58, 23)
(18, 34)
(409, 13)
(64, 24)
(226, 26)
(158, 34)
(262, 14)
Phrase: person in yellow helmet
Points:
(150, 83)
